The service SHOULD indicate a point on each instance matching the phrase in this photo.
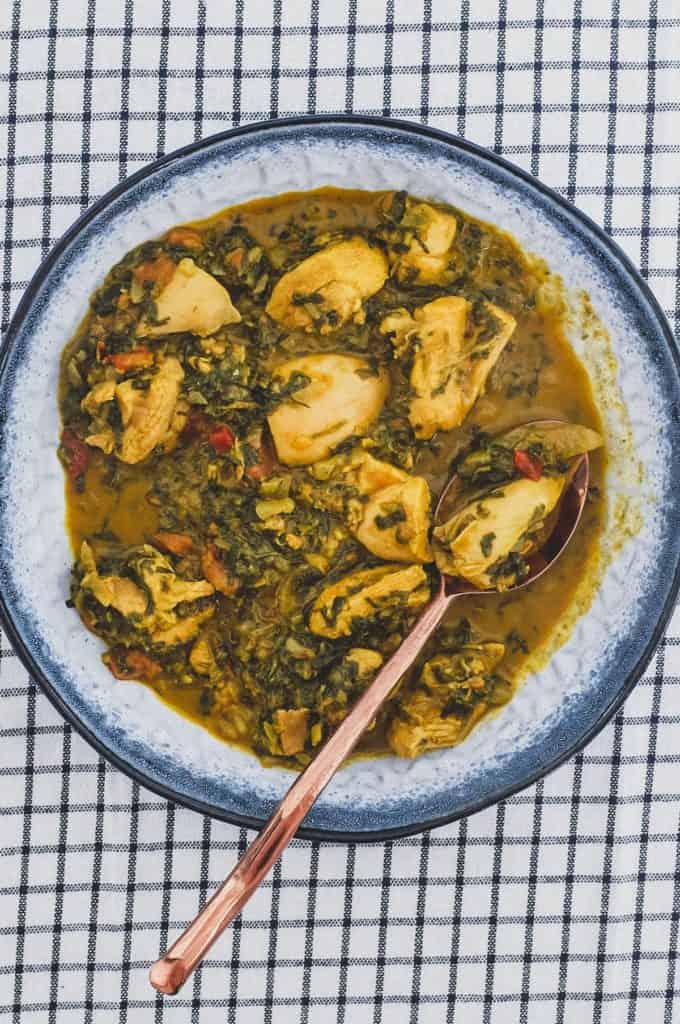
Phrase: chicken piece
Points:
(191, 301)
(431, 233)
(291, 729)
(151, 603)
(368, 593)
(390, 515)
(486, 540)
(343, 684)
(233, 719)
(116, 592)
(147, 416)
(201, 657)
(170, 439)
(461, 670)
(450, 366)
(450, 697)
(396, 522)
(103, 392)
(426, 728)
(343, 397)
(104, 439)
(358, 469)
(328, 289)
(167, 590)
(181, 630)
(367, 661)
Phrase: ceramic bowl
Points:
(635, 374)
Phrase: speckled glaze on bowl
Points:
(559, 708)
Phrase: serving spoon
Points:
(169, 973)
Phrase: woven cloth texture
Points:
(558, 905)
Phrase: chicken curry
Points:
(259, 413)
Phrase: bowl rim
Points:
(455, 142)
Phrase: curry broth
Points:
(538, 376)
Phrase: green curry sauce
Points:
(207, 560)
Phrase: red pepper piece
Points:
(136, 359)
(77, 453)
(222, 439)
(264, 467)
(528, 465)
(198, 425)
(132, 664)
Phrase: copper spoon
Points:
(169, 973)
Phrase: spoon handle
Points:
(170, 972)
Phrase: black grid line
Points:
(644, 830)
(351, 55)
(382, 932)
(673, 948)
(199, 71)
(163, 77)
(425, 62)
(575, 97)
(420, 924)
(129, 920)
(313, 56)
(11, 151)
(489, 996)
(271, 952)
(480, 25)
(236, 943)
(275, 72)
(96, 882)
(456, 922)
(463, 65)
(88, 74)
(532, 886)
(500, 77)
(346, 932)
(565, 944)
(308, 961)
(338, 70)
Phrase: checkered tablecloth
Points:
(558, 905)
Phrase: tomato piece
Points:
(186, 237)
(158, 271)
(136, 359)
(264, 466)
(222, 439)
(235, 259)
(528, 465)
(198, 424)
(176, 543)
(132, 664)
(215, 573)
(76, 453)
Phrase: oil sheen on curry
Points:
(259, 413)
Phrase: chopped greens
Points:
(253, 586)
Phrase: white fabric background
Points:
(560, 904)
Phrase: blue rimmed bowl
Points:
(633, 365)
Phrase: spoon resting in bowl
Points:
(169, 973)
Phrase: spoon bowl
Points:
(566, 520)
